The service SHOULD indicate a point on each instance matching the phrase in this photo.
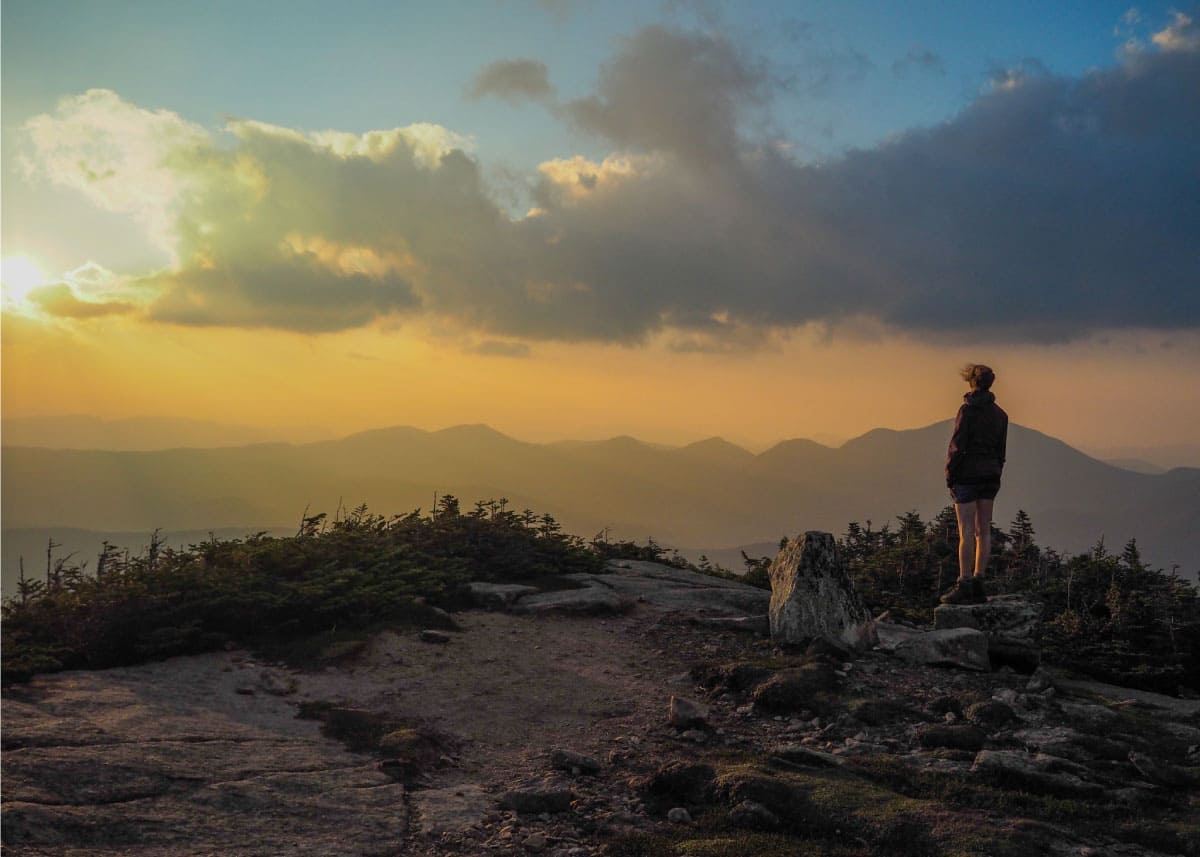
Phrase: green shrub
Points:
(355, 572)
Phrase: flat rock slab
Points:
(453, 809)
(497, 596)
(1183, 708)
(797, 755)
(670, 588)
(629, 582)
(959, 647)
(589, 601)
(1067, 743)
(1039, 772)
(168, 759)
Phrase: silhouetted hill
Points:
(716, 451)
(1137, 465)
(706, 496)
(795, 455)
(1164, 457)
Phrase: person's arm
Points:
(1003, 439)
(958, 446)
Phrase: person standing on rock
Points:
(974, 463)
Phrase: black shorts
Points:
(969, 492)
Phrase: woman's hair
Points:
(980, 377)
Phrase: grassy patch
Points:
(963, 791)
(836, 813)
(1170, 825)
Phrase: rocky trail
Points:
(545, 725)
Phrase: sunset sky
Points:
(580, 219)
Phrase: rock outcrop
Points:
(1008, 621)
(812, 596)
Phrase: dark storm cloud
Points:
(513, 80)
(1050, 208)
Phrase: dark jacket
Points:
(978, 444)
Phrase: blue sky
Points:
(358, 65)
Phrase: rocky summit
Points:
(645, 711)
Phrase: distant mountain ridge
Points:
(707, 495)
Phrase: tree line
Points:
(1105, 613)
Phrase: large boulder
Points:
(812, 596)
(1009, 621)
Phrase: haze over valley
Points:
(709, 497)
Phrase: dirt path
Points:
(511, 689)
(510, 684)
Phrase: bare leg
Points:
(967, 515)
(983, 535)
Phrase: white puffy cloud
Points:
(120, 156)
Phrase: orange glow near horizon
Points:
(346, 382)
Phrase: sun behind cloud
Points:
(19, 275)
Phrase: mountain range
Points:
(710, 496)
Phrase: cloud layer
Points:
(1050, 208)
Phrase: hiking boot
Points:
(965, 591)
(977, 581)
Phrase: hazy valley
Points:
(708, 497)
